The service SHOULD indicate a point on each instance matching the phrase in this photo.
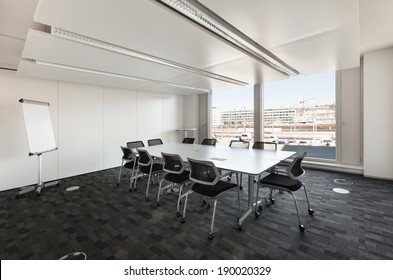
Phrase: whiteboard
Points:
(38, 126)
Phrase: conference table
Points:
(248, 161)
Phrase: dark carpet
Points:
(106, 221)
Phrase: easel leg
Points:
(40, 184)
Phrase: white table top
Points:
(249, 161)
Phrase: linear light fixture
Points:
(136, 54)
(113, 75)
(203, 16)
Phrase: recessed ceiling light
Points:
(136, 54)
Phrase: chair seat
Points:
(130, 164)
(213, 191)
(283, 181)
(146, 169)
(178, 178)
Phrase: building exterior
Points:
(320, 114)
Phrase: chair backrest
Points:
(239, 144)
(154, 142)
(188, 140)
(173, 163)
(210, 142)
(128, 154)
(135, 144)
(145, 159)
(265, 146)
(295, 169)
(203, 172)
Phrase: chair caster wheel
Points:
(310, 211)
(257, 214)
(208, 206)
(147, 198)
(158, 204)
(260, 208)
(182, 220)
(272, 200)
(118, 184)
(239, 228)
(268, 202)
(302, 228)
(178, 214)
(204, 202)
(210, 236)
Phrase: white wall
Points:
(378, 113)
(119, 119)
(90, 124)
(80, 125)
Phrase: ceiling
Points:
(312, 36)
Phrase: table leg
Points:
(250, 208)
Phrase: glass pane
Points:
(300, 114)
(233, 115)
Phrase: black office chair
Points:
(146, 165)
(210, 142)
(154, 142)
(188, 140)
(206, 182)
(177, 175)
(128, 160)
(287, 183)
(135, 144)
(265, 145)
(241, 145)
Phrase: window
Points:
(300, 114)
(232, 114)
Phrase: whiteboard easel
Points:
(40, 137)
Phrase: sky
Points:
(314, 89)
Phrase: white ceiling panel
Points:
(330, 51)
(376, 26)
(244, 69)
(169, 90)
(30, 69)
(290, 29)
(10, 50)
(313, 36)
(272, 23)
(16, 17)
(46, 47)
(69, 53)
(140, 25)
